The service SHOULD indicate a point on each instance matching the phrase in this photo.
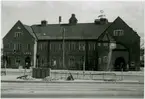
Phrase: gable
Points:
(18, 27)
(121, 32)
(18, 30)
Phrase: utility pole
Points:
(63, 47)
(63, 41)
(84, 61)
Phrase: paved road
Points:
(71, 90)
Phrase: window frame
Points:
(82, 47)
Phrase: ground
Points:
(72, 90)
(88, 86)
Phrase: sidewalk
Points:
(13, 78)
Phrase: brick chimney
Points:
(43, 23)
(73, 20)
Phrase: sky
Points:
(32, 12)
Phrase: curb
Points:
(118, 82)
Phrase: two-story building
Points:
(73, 45)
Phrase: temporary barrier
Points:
(40, 72)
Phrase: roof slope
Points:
(29, 30)
(78, 31)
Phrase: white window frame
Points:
(118, 32)
(82, 46)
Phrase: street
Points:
(72, 90)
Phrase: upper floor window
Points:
(17, 34)
(81, 46)
(17, 47)
(43, 46)
(105, 44)
(92, 46)
(118, 32)
(72, 46)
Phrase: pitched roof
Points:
(78, 31)
(29, 30)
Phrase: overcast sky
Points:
(132, 12)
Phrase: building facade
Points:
(73, 46)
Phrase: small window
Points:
(118, 32)
(99, 44)
(17, 34)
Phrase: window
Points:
(105, 44)
(14, 46)
(71, 46)
(91, 46)
(118, 32)
(43, 46)
(60, 46)
(40, 46)
(105, 59)
(17, 47)
(53, 47)
(43, 61)
(99, 60)
(99, 44)
(81, 46)
(71, 61)
(17, 34)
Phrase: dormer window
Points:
(118, 32)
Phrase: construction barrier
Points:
(40, 72)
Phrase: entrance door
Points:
(119, 64)
(27, 62)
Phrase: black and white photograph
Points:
(72, 49)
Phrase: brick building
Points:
(86, 44)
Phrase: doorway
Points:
(27, 62)
(120, 64)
